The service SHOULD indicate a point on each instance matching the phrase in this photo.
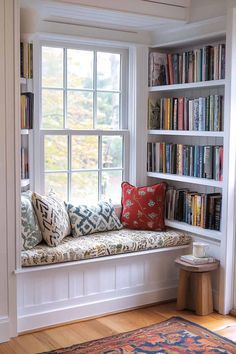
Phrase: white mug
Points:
(200, 249)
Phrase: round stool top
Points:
(200, 268)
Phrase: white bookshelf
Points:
(24, 131)
(186, 179)
(191, 90)
(188, 86)
(195, 133)
(212, 234)
(26, 85)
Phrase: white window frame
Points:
(40, 133)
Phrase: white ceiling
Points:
(129, 15)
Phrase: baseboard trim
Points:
(86, 311)
(4, 329)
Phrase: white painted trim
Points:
(93, 309)
(191, 85)
(212, 234)
(98, 260)
(70, 291)
(4, 329)
(228, 254)
(187, 133)
(186, 179)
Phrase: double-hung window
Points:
(83, 122)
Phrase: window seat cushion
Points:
(103, 244)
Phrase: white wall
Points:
(7, 170)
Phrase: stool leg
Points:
(182, 289)
(204, 301)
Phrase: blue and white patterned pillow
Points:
(87, 220)
(31, 235)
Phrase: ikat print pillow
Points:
(53, 218)
(87, 220)
(143, 208)
(31, 235)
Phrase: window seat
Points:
(103, 244)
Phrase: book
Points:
(153, 115)
(158, 74)
(197, 209)
(189, 258)
(200, 64)
(172, 113)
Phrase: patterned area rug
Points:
(174, 336)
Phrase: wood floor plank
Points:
(74, 333)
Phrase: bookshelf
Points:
(213, 137)
(26, 112)
(187, 86)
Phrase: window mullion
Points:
(69, 175)
(95, 90)
(65, 88)
(99, 167)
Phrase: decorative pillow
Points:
(87, 220)
(143, 208)
(53, 218)
(31, 235)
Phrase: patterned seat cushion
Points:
(103, 244)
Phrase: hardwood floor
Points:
(70, 334)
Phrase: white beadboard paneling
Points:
(76, 284)
(91, 281)
(96, 287)
(107, 278)
(137, 273)
(28, 288)
(123, 275)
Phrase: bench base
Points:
(49, 295)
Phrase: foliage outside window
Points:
(82, 123)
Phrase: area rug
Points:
(174, 336)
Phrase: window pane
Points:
(108, 71)
(111, 186)
(107, 110)
(56, 182)
(79, 69)
(52, 109)
(79, 110)
(84, 152)
(55, 150)
(112, 151)
(84, 188)
(52, 67)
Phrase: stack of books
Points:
(26, 60)
(27, 110)
(193, 208)
(201, 114)
(201, 64)
(24, 164)
(202, 161)
(189, 258)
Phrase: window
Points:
(83, 129)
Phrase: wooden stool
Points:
(194, 289)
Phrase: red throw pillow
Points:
(143, 208)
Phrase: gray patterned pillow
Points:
(87, 220)
(31, 235)
(53, 218)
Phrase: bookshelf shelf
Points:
(187, 133)
(217, 235)
(25, 183)
(26, 111)
(192, 85)
(186, 179)
(24, 131)
(23, 81)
